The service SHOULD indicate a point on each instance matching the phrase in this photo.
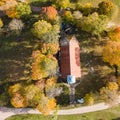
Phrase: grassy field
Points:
(109, 114)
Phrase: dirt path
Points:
(6, 112)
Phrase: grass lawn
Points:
(109, 114)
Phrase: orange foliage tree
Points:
(114, 34)
(49, 13)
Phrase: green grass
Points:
(109, 114)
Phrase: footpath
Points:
(7, 112)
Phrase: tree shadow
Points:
(15, 61)
(116, 118)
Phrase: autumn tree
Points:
(43, 66)
(93, 23)
(105, 7)
(46, 32)
(49, 48)
(111, 54)
(23, 10)
(1, 23)
(114, 34)
(109, 93)
(48, 13)
(23, 95)
(15, 26)
(19, 10)
(61, 3)
(67, 16)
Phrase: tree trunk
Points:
(116, 70)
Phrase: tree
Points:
(15, 26)
(46, 105)
(43, 66)
(94, 23)
(114, 34)
(1, 23)
(67, 16)
(23, 95)
(23, 10)
(46, 32)
(49, 48)
(49, 13)
(61, 3)
(109, 93)
(111, 54)
(105, 7)
(18, 10)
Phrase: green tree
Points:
(46, 32)
(23, 10)
(94, 24)
(61, 3)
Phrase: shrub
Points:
(51, 88)
(63, 99)
(4, 99)
(98, 51)
(109, 93)
(89, 99)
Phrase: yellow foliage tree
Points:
(111, 54)
(46, 105)
(18, 100)
(1, 23)
(11, 13)
(110, 92)
(43, 66)
(14, 89)
(49, 48)
(89, 99)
